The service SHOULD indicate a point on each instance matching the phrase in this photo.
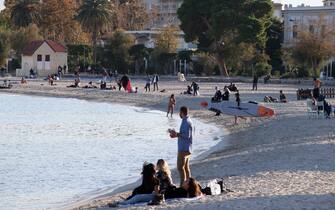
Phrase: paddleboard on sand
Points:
(250, 109)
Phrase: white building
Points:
(165, 12)
(43, 57)
(304, 18)
(319, 19)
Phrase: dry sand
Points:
(285, 162)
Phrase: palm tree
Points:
(95, 16)
(25, 12)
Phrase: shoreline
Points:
(109, 191)
(245, 164)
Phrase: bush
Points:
(288, 75)
(263, 69)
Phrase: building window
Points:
(311, 29)
(39, 57)
(47, 58)
(295, 31)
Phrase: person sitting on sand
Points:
(217, 96)
(171, 105)
(32, 74)
(146, 191)
(225, 96)
(50, 80)
(232, 87)
(23, 81)
(282, 97)
(188, 91)
(163, 175)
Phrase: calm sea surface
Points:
(55, 151)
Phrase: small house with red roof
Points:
(43, 57)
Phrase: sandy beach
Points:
(284, 162)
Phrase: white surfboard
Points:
(250, 109)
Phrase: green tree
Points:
(139, 53)
(79, 54)
(166, 45)
(4, 46)
(95, 16)
(275, 34)
(23, 36)
(221, 23)
(25, 12)
(115, 54)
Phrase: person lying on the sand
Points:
(270, 99)
(90, 86)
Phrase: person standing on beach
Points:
(255, 82)
(185, 140)
(147, 84)
(316, 90)
(171, 105)
(155, 80)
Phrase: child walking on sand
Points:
(171, 105)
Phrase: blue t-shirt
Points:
(185, 138)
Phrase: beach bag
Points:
(212, 188)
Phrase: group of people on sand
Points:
(192, 89)
(282, 98)
(151, 81)
(157, 184)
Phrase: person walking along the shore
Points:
(171, 105)
(185, 140)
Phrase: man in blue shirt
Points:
(184, 144)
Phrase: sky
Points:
(293, 2)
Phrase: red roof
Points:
(34, 45)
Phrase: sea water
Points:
(54, 151)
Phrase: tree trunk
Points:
(94, 40)
(222, 66)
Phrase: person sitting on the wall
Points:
(32, 74)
